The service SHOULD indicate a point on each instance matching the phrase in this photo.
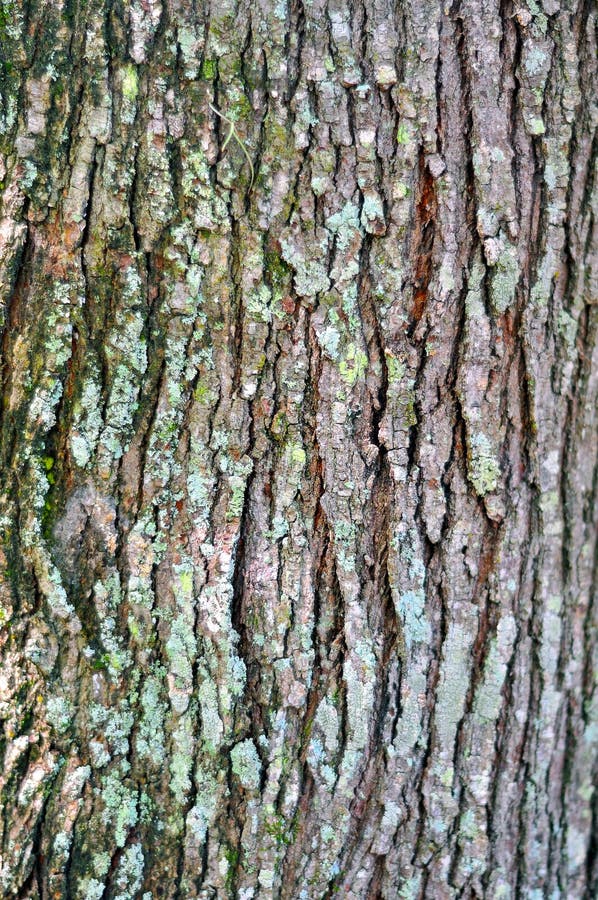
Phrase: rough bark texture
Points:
(298, 449)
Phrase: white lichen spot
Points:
(62, 843)
(94, 890)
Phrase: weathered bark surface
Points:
(298, 449)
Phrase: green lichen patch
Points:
(504, 281)
(402, 135)
(130, 83)
(209, 69)
(483, 469)
(354, 365)
(246, 764)
(411, 608)
(120, 806)
(59, 713)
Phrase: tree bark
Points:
(298, 449)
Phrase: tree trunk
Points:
(298, 449)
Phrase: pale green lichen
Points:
(410, 889)
(467, 826)
(209, 208)
(120, 806)
(101, 863)
(29, 175)
(327, 721)
(235, 505)
(94, 890)
(87, 420)
(201, 814)
(62, 843)
(567, 327)
(391, 816)
(258, 304)
(266, 879)
(150, 736)
(372, 213)
(99, 755)
(344, 535)
(59, 713)
(311, 278)
(114, 724)
(403, 136)
(181, 762)
(395, 368)
(504, 281)
(489, 693)
(354, 365)
(185, 576)
(400, 190)
(537, 126)
(238, 485)
(198, 486)
(446, 779)
(410, 606)
(345, 225)
(296, 456)
(181, 648)
(319, 185)
(483, 469)
(344, 531)
(246, 764)
(159, 203)
(328, 834)
(535, 60)
(188, 43)
(212, 727)
(359, 678)
(126, 347)
(129, 874)
(117, 657)
(329, 340)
